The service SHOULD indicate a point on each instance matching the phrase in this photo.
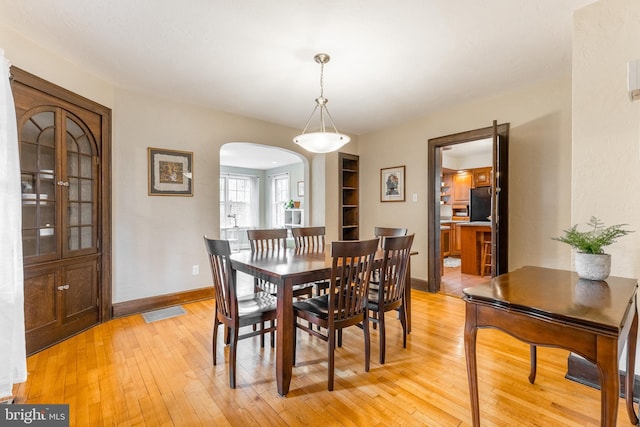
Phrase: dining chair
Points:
(311, 240)
(345, 304)
(273, 239)
(389, 231)
(235, 312)
(384, 232)
(389, 294)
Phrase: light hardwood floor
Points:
(126, 372)
(453, 281)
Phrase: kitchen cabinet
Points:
(473, 235)
(482, 177)
(445, 240)
(446, 189)
(461, 187)
(456, 239)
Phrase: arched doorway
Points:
(257, 182)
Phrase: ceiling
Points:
(467, 149)
(390, 61)
(254, 156)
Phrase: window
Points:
(279, 196)
(238, 201)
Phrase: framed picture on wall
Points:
(392, 184)
(300, 188)
(170, 172)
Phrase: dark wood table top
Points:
(559, 295)
(285, 263)
(289, 262)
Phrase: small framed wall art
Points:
(170, 172)
(392, 184)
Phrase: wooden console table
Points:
(542, 306)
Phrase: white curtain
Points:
(13, 362)
(255, 202)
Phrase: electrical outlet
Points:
(196, 270)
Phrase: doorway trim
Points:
(500, 135)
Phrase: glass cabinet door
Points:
(59, 178)
(80, 164)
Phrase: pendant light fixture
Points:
(321, 141)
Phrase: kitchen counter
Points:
(473, 235)
(453, 221)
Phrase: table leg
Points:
(631, 367)
(607, 363)
(534, 363)
(284, 337)
(470, 334)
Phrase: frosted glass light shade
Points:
(321, 142)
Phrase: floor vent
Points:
(163, 313)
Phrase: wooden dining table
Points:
(285, 269)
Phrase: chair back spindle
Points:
(274, 239)
(309, 239)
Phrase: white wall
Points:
(539, 170)
(157, 239)
(606, 125)
(31, 58)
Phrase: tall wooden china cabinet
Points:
(65, 176)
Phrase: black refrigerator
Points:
(480, 208)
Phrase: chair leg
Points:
(339, 337)
(256, 289)
(295, 338)
(332, 347)
(367, 343)
(383, 337)
(261, 335)
(232, 358)
(227, 336)
(403, 322)
(273, 334)
(216, 323)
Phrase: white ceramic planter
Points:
(593, 266)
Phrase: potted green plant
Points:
(591, 261)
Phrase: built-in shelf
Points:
(293, 218)
(349, 182)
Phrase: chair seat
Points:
(316, 306)
(258, 302)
